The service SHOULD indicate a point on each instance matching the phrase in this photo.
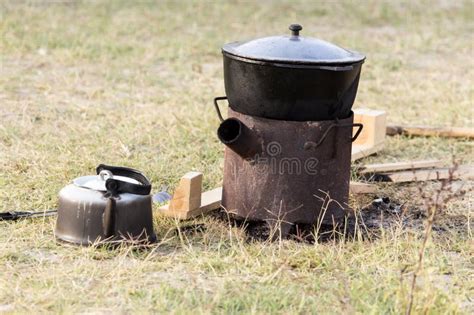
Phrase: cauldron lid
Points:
(292, 49)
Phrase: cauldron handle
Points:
(216, 105)
(359, 130)
(313, 145)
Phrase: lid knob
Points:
(295, 29)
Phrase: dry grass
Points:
(132, 84)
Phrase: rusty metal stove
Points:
(286, 172)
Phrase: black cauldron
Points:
(291, 77)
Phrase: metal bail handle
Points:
(312, 145)
(359, 130)
(216, 105)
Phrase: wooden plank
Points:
(187, 195)
(362, 188)
(372, 137)
(362, 151)
(398, 166)
(374, 125)
(426, 131)
(210, 200)
(462, 172)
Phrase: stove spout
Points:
(239, 138)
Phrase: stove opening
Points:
(229, 130)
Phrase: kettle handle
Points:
(115, 186)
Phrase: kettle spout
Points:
(239, 138)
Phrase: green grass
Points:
(131, 83)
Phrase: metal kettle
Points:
(114, 205)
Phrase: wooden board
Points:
(375, 122)
(463, 172)
(372, 137)
(210, 200)
(447, 132)
(398, 166)
(187, 195)
(362, 188)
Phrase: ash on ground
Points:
(367, 223)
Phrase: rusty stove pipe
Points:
(237, 136)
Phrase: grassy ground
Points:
(131, 83)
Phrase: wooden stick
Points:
(462, 172)
(398, 166)
(362, 188)
(426, 131)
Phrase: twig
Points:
(433, 205)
